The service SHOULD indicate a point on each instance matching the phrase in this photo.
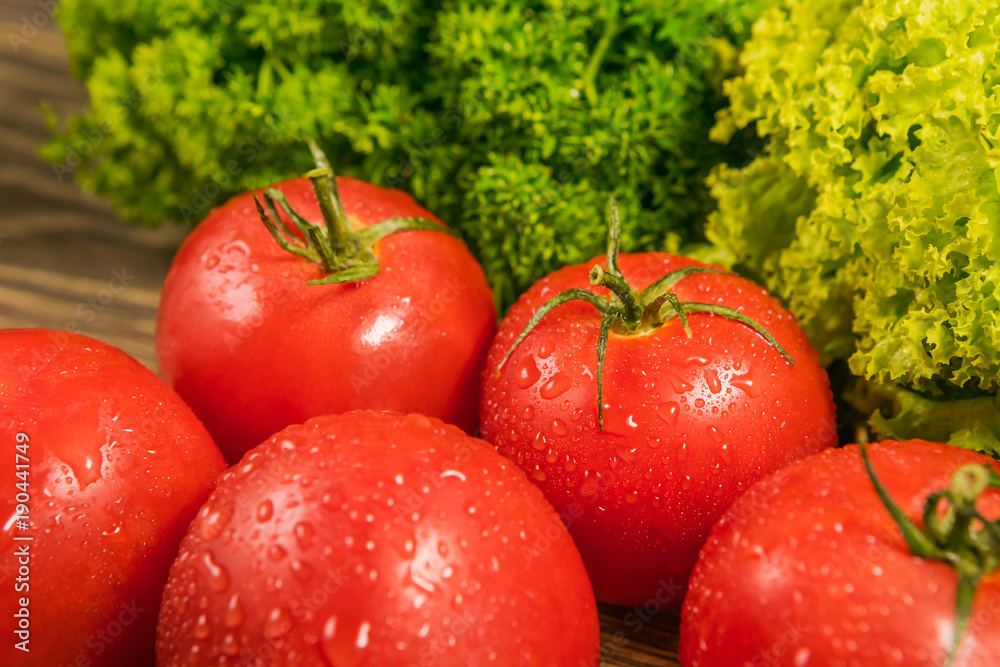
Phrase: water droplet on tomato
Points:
(302, 571)
(539, 442)
(654, 442)
(697, 361)
(265, 510)
(699, 402)
(527, 373)
(749, 385)
(627, 454)
(304, 535)
(278, 623)
(559, 427)
(538, 474)
(546, 349)
(682, 453)
(216, 574)
(202, 628)
(714, 434)
(233, 616)
(216, 522)
(528, 413)
(680, 386)
(589, 486)
(556, 386)
(632, 497)
(713, 381)
(668, 412)
(551, 456)
(276, 552)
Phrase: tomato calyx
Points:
(343, 253)
(960, 536)
(630, 312)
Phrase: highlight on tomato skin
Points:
(249, 340)
(810, 567)
(373, 538)
(112, 467)
(646, 446)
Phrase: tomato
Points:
(689, 423)
(809, 568)
(253, 348)
(104, 468)
(371, 538)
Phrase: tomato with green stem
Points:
(347, 296)
(643, 398)
(878, 555)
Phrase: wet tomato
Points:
(371, 538)
(809, 567)
(639, 432)
(106, 467)
(253, 348)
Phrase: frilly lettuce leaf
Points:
(873, 210)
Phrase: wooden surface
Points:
(59, 248)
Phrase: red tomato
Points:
(809, 568)
(253, 348)
(376, 539)
(113, 467)
(689, 423)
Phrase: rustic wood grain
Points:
(59, 248)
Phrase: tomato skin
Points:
(643, 494)
(118, 468)
(372, 538)
(808, 567)
(253, 348)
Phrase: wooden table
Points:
(59, 248)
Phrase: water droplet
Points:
(278, 623)
(679, 385)
(304, 534)
(632, 497)
(302, 571)
(551, 456)
(682, 453)
(559, 427)
(218, 577)
(265, 510)
(527, 413)
(556, 386)
(202, 628)
(538, 474)
(699, 402)
(654, 442)
(668, 412)
(546, 349)
(216, 522)
(527, 373)
(233, 616)
(714, 434)
(276, 552)
(230, 646)
(590, 486)
(750, 386)
(627, 454)
(714, 383)
(540, 442)
(362, 640)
